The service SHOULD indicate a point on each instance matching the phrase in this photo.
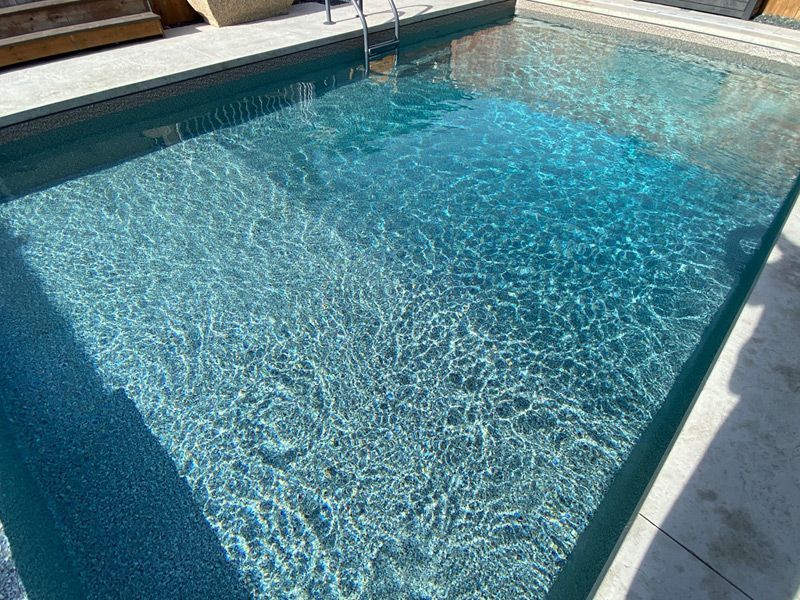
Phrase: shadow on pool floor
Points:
(86, 477)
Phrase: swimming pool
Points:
(391, 337)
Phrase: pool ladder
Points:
(375, 50)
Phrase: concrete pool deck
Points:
(722, 518)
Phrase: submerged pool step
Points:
(48, 27)
(70, 38)
(382, 48)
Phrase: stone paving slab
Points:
(675, 573)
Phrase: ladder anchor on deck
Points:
(374, 50)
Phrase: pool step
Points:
(51, 14)
(382, 48)
(49, 27)
(372, 50)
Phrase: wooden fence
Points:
(783, 8)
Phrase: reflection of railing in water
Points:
(299, 95)
(239, 111)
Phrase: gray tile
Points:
(651, 566)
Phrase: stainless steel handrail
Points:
(396, 15)
(359, 6)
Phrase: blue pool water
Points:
(391, 340)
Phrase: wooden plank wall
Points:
(9, 3)
(783, 8)
(740, 9)
(172, 12)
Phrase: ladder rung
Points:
(382, 47)
(375, 49)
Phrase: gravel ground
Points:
(779, 21)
